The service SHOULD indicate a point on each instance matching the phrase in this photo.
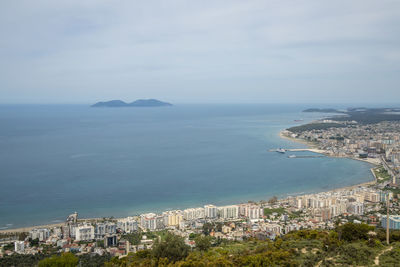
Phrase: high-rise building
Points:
(41, 234)
(148, 221)
(229, 212)
(103, 229)
(19, 246)
(210, 211)
(128, 225)
(84, 232)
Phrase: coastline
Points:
(311, 147)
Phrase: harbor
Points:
(292, 156)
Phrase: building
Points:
(148, 221)
(84, 232)
(128, 225)
(19, 246)
(229, 212)
(103, 229)
(193, 214)
(42, 234)
(110, 240)
(210, 211)
(394, 221)
(356, 208)
(172, 218)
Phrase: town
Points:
(367, 203)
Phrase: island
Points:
(323, 110)
(137, 103)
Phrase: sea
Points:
(103, 162)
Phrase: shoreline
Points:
(311, 147)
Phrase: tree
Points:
(65, 260)
(203, 243)
(207, 228)
(173, 248)
(273, 200)
(352, 232)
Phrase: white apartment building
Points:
(84, 232)
(148, 221)
(103, 229)
(128, 225)
(19, 246)
(193, 214)
(210, 211)
(41, 234)
(229, 212)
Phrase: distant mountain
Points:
(137, 103)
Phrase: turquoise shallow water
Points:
(57, 159)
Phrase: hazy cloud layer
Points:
(200, 51)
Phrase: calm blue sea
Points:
(57, 159)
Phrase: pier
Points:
(292, 150)
(305, 156)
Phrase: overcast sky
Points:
(84, 51)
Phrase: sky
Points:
(84, 51)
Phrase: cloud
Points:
(199, 51)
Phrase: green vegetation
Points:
(382, 174)
(268, 211)
(133, 238)
(21, 260)
(349, 244)
(315, 126)
(203, 243)
(41, 259)
(363, 115)
(65, 260)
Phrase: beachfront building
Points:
(84, 232)
(229, 212)
(128, 225)
(193, 214)
(41, 234)
(250, 211)
(394, 221)
(172, 218)
(210, 211)
(150, 221)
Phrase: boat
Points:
(292, 156)
(281, 150)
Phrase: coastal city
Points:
(378, 144)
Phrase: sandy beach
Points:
(312, 147)
(27, 229)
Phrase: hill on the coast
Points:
(361, 115)
(137, 103)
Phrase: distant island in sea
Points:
(137, 103)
